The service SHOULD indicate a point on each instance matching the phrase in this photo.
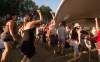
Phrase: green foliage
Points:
(46, 12)
(21, 7)
(16, 6)
(8, 6)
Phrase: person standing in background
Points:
(61, 32)
(75, 40)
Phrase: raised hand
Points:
(38, 11)
(52, 13)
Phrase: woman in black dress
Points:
(8, 36)
(27, 47)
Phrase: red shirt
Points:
(98, 40)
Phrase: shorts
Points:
(75, 46)
(6, 37)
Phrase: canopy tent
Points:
(74, 9)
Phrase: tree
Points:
(21, 7)
(27, 6)
(16, 6)
(46, 13)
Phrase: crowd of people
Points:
(32, 33)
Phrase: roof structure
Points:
(74, 9)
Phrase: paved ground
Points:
(44, 55)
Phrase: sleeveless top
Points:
(27, 47)
(74, 35)
(29, 34)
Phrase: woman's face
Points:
(78, 28)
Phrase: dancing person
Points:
(93, 37)
(20, 30)
(68, 36)
(27, 47)
(61, 37)
(47, 35)
(53, 37)
(53, 34)
(1, 43)
(42, 37)
(8, 36)
(75, 40)
(98, 38)
(1, 47)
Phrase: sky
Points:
(53, 4)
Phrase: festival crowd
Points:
(32, 33)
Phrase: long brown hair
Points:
(26, 19)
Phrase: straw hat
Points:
(76, 25)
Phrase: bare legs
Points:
(6, 52)
(25, 59)
(61, 47)
(76, 51)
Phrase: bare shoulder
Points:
(28, 24)
(9, 22)
(35, 22)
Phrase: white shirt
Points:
(61, 32)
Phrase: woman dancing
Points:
(8, 36)
(27, 47)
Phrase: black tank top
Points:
(29, 34)
(74, 35)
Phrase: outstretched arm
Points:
(10, 26)
(39, 12)
(40, 19)
(96, 22)
(52, 15)
(53, 20)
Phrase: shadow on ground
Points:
(44, 55)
